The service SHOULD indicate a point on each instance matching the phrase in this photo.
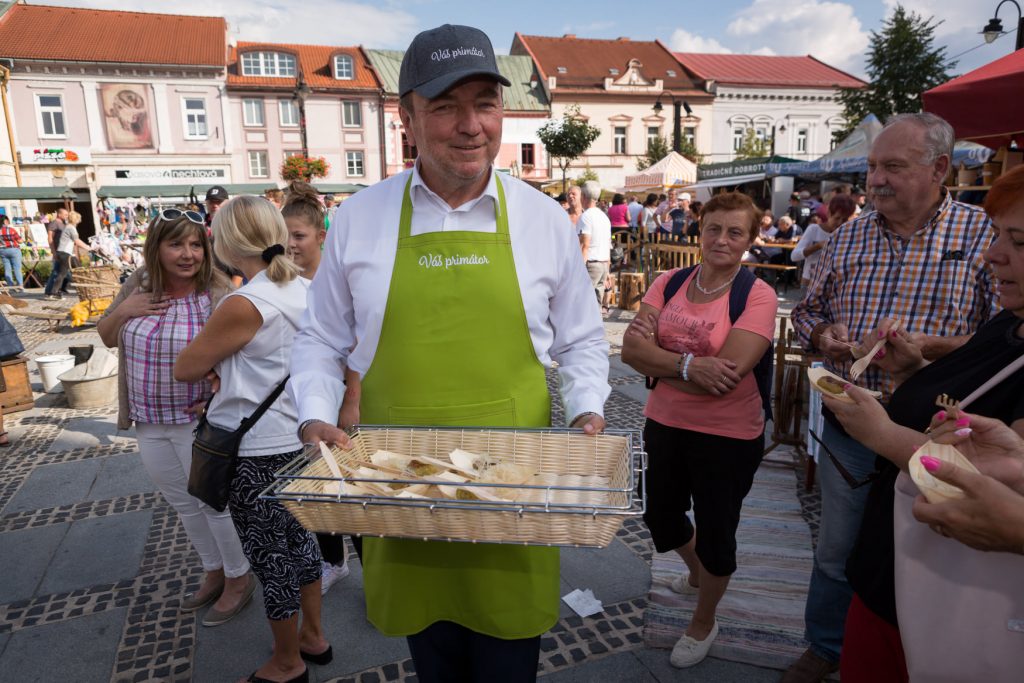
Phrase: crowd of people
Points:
(255, 299)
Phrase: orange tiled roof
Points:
(316, 62)
(803, 71)
(587, 62)
(89, 35)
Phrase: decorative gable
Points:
(633, 80)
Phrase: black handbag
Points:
(10, 343)
(215, 452)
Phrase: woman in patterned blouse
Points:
(156, 314)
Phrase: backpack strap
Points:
(671, 287)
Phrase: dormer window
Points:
(343, 68)
(562, 70)
(613, 72)
(279, 64)
(671, 73)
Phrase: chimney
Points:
(622, 39)
(569, 35)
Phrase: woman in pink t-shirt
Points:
(705, 424)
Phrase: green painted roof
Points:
(45, 192)
(121, 191)
(518, 69)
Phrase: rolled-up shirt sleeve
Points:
(814, 308)
(327, 334)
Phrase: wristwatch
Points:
(582, 416)
(302, 428)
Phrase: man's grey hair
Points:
(785, 220)
(938, 134)
(591, 190)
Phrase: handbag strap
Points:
(248, 422)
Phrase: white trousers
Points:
(166, 452)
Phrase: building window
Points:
(526, 157)
(258, 166)
(195, 119)
(280, 64)
(343, 70)
(354, 163)
(288, 153)
(737, 137)
(761, 133)
(51, 116)
(653, 135)
(408, 151)
(690, 135)
(620, 139)
(351, 114)
(833, 140)
(252, 112)
(289, 113)
(801, 140)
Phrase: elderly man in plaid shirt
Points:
(916, 258)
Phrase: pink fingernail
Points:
(847, 387)
(941, 416)
(892, 334)
(880, 354)
(881, 334)
(966, 431)
(931, 464)
(963, 422)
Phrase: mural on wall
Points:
(127, 115)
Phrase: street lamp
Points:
(677, 126)
(994, 28)
(302, 91)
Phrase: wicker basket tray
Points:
(96, 282)
(584, 489)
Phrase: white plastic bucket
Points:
(51, 368)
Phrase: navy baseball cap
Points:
(441, 57)
(216, 194)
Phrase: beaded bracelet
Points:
(686, 367)
(679, 366)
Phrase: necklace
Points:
(716, 290)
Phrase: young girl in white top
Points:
(247, 345)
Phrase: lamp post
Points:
(994, 28)
(678, 105)
(302, 91)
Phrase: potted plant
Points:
(303, 168)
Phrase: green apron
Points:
(455, 349)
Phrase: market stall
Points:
(674, 170)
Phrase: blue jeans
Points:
(51, 282)
(12, 265)
(842, 509)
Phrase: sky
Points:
(833, 31)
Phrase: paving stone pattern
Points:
(157, 642)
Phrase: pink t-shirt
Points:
(618, 214)
(701, 329)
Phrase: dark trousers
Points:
(60, 274)
(332, 548)
(446, 652)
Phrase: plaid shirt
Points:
(9, 237)
(151, 345)
(934, 282)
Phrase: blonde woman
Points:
(156, 314)
(247, 343)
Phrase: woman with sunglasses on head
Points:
(247, 343)
(158, 311)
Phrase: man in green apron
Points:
(448, 288)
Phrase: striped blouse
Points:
(151, 345)
(935, 282)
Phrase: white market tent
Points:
(674, 170)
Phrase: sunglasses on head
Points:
(174, 214)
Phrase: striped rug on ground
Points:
(761, 617)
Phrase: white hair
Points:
(591, 190)
(938, 134)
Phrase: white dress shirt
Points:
(349, 294)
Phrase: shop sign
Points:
(54, 155)
(170, 174)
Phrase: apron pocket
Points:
(501, 413)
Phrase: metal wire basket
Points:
(584, 487)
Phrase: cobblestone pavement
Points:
(156, 641)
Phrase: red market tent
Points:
(984, 105)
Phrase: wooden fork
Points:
(858, 368)
(950, 405)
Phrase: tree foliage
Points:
(568, 139)
(658, 148)
(903, 62)
(588, 174)
(753, 146)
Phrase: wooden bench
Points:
(778, 268)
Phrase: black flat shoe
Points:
(301, 678)
(321, 659)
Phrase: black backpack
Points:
(741, 287)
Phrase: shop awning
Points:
(339, 188)
(123, 191)
(728, 181)
(44, 193)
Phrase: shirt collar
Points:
(936, 219)
(418, 191)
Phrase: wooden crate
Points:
(15, 389)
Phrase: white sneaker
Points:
(332, 574)
(688, 652)
(681, 584)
